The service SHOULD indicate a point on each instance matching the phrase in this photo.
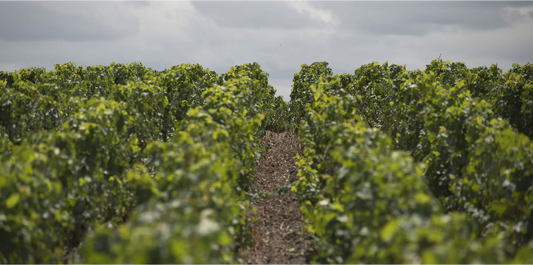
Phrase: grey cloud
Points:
(137, 4)
(72, 21)
(253, 14)
(420, 18)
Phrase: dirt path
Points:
(280, 230)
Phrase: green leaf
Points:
(12, 200)
(388, 231)
(429, 258)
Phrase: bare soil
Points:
(280, 233)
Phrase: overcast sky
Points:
(278, 35)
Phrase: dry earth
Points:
(280, 230)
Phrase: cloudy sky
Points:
(279, 35)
